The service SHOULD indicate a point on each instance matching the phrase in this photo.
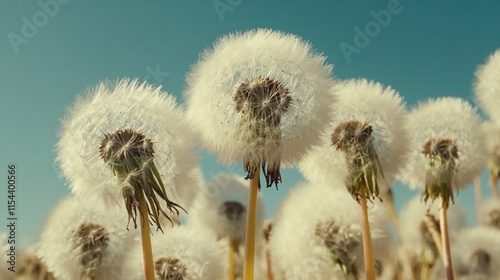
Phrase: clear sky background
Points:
(52, 51)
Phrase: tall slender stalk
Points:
(443, 221)
(270, 275)
(367, 240)
(477, 196)
(146, 240)
(248, 267)
(233, 247)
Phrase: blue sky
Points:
(52, 50)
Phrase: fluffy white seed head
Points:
(489, 213)
(324, 226)
(89, 144)
(377, 107)
(261, 96)
(221, 207)
(30, 267)
(492, 135)
(414, 234)
(446, 144)
(182, 253)
(4, 250)
(487, 86)
(79, 240)
(475, 254)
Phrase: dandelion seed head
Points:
(475, 254)
(489, 213)
(30, 266)
(369, 127)
(170, 269)
(182, 253)
(487, 86)
(414, 233)
(111, 132)
(221, 208)
(91, 242)
(324, 226)
(446, 145)
(78, 239)
(492, 136)
(261, 97)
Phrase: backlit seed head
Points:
(351, 134)
(355, 139)
(480, 261)
(442, 157)
(31, 267)
(233, 210)
(494, 218)
(263, 99)
(90, 241)
(130, 154)
(341, 242)
(170, 269)
(263, 102)
(125, 145)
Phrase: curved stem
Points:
(443, 221)
(248, 267)
(367, 241)
(146, 240)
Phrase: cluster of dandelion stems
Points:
(261, 101)
(131, 157)
(90, 241)
(340, 242)
(169, 268)
(441, 155)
